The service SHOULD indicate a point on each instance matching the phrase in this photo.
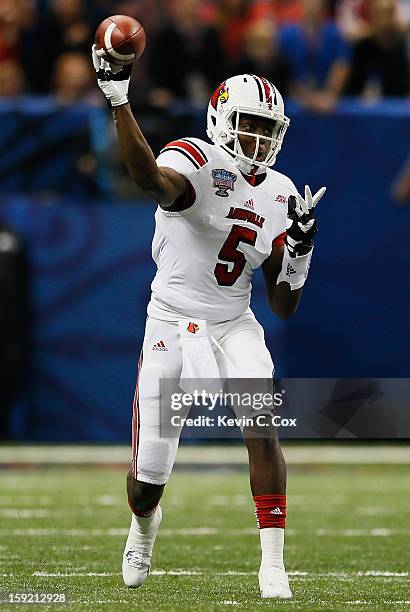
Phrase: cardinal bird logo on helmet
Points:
(221, 94)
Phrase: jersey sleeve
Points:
(279, 240)
(183, 155)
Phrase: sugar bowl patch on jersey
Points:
(223, 180)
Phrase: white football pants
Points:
(246, 356)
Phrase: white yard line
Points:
(109, 500)
(86, 603)
(25, 500)
(183, 572)
(382, 573)
(308, 502)
(361, 602)
(228, 602)
(73, 574)
(354, 533)
(376, 510)
(312, 453)
(198, 532)
(25, 513)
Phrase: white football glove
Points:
(112, 80)
(301, 222)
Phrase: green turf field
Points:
(63, 530)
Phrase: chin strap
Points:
(247, 168)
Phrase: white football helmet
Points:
(250, 95)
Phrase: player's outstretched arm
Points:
(286, 269)
(164, 185)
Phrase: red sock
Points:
(138, 513)
(270, 510)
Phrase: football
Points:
(122, 38)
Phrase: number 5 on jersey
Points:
(229, 252)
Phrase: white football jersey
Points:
(206, 254)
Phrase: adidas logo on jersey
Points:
(281, 199)
(276, 510)
(249, 204)
(159, 346)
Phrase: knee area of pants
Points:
(155, 459)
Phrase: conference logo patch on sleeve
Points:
(223, 180)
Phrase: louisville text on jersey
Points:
(242, 214)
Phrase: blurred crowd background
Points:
(314, 50)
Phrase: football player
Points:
(221, 213)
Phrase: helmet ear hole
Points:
(213, 119)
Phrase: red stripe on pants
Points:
(135, 423)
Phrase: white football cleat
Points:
(274, 582)
(136, 562)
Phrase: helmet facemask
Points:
(275, 140)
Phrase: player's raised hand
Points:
(309, 202)
(301, 223)
(112, 80)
